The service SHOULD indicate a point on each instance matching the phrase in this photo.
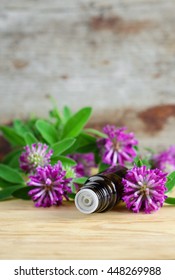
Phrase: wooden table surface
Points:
(62, 232)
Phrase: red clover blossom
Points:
(165, 160)
(118, 147)
(34, 156)
(144, 189)
(85, 162)
(50, 185)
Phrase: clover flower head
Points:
(165, 160)
(85, 162)
(34, 156)
(118, 146)
(49, 185)
(144, 189)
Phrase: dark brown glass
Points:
(107, 185)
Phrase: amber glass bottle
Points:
(101, 192)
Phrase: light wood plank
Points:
(64, 233)
(110, 54)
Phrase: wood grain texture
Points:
(110, 54)
(64, 233)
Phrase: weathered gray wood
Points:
(118, 56)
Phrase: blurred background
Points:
(116, 56)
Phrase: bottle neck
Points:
(105, 190)
(101, 192)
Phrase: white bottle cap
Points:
(86, 201)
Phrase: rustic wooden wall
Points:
(116, 55)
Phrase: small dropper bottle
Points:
(101, 192)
